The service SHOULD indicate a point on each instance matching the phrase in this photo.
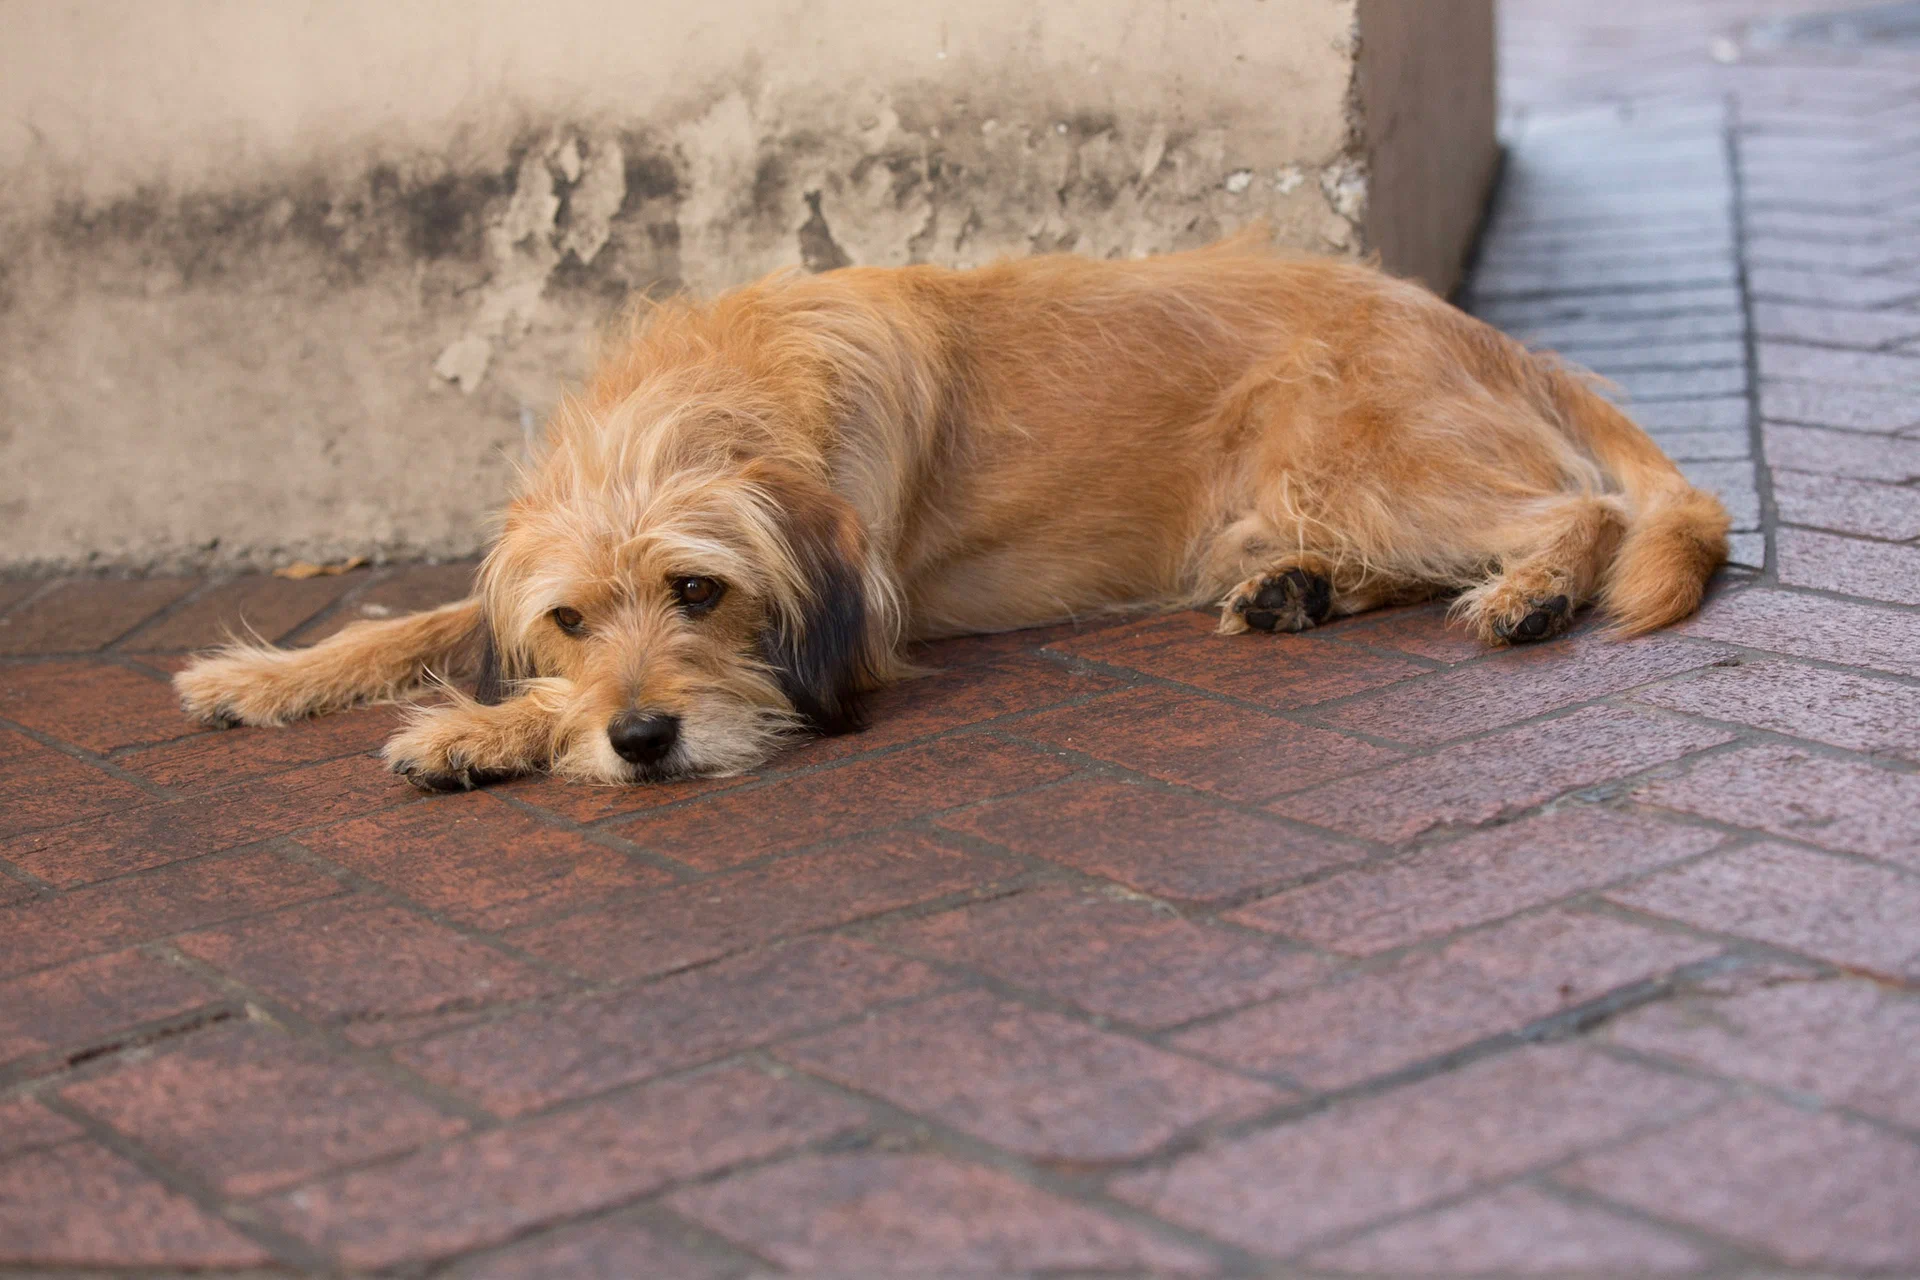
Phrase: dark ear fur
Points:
(820, 656)
(493, 685)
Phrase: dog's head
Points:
(682, 598)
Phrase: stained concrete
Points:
(299, 281)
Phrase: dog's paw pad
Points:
(1543, 620)
(1289, 601)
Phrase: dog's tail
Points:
(1677, 534)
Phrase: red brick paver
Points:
(1520, 1230)
(603, 1247)
(1432, 1004)
(71, 1007)
(1109, 952)
(919, 1215)
(488, 1188)
(80, 1205)
(43, 931)
(79, 616)
(249, 1112)
(26, 1124)
(1846, 1042)
(1120, 948)
(1034, 1082)
(1286, 1188)
(1812, 1189)
(1453, 884)
(565, 1050)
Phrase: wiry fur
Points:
(871, 456)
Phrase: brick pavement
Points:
(1121, 949)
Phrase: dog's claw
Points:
(457, 776)
(1289, 601)
(1545, 619)
(435, 782)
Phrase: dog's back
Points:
(1060, 435)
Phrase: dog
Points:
(758, 502)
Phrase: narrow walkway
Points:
(1124, 950)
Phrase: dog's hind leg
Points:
(367, 662)
(1555, 561)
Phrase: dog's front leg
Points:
(467, 744)
(258, 684)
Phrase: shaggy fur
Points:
(759, 500)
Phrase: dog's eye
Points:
(569, 621)
(697, 595)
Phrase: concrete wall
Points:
(1425, 86)
(296, 279)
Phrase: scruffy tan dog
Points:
(760, 499)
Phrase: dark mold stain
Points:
(1094, 190)
(652, 173)
(818, 251)
(906, 173)
(444, 216)
(769, 198)
(1091, 124)
(328, 228)
(353, 226)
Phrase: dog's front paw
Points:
(240, 687)
(1290, 600)
(453, 773)
(444, 750)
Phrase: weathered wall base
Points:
(313, 332)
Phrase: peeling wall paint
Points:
(565, 197)
(739, 196)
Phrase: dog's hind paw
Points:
(1543, 620)
(1290, 600)
(1522, 609)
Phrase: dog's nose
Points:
(643, 737)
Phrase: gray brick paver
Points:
(1723, 413)
(1644, 355)
(1824, 288)
(1840, 405)
(1835, 326)
(1795, 361)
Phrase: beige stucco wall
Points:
(296, 279)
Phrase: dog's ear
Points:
(493, 673)
(492, 686)
(818, 643)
